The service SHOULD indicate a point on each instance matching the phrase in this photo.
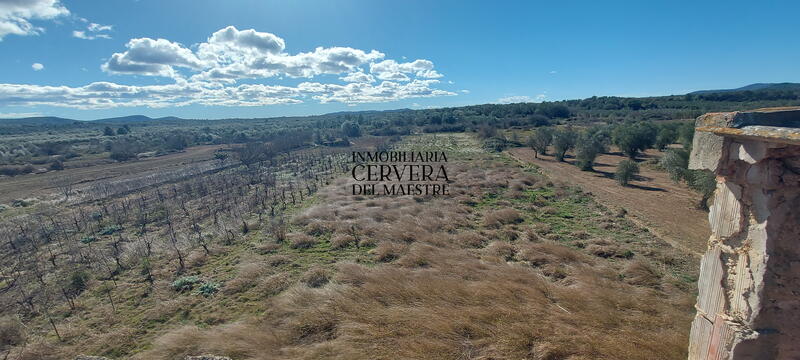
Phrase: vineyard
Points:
(121, 237)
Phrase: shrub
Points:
(207, 289)
(502, 217)
(342, 240)
(88, 239)
(676, 163)
(502, 249)
(278, 260)
(642, 274)
(57, 164)
(387, 251)
(315, 277)
(626, 170)
(109, 230)
(185, 283)
(12, 332)
(302, 241)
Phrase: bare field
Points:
(664, 207)
(41, 185)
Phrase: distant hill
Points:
(754, 87)
(39, 120)
(125, 119)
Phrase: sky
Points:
(211, 59)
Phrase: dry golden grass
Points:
(456, 281)
(506, 268)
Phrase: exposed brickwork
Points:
(748, 304)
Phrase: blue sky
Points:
(216, 59)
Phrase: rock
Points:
(88, 357)
(207, 357)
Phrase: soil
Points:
(41, 185)
(653, 200)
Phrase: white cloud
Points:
(37, 66)
(392, 70)
(553, 72)
(95, 31)
(358, 76)
(15, 15)
(207, 74)
(465, 91)
(19, 115)
(100, 95)
(514, 99)
(521, 99)
(94, 27)
(157, 57)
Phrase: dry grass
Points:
(503, 216)
(301, 241)
(464, 277)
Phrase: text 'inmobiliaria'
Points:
(400, 173)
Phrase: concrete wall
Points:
(748, 304)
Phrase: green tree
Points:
(589, 144)
(626, 170)
(108, 131)
(563, 141)
(540, 139)
(666, 136)
(631, 138)
(704, 182)
(676, 163)
(350, 129)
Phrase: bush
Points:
(185, 283)
(12, 332)
(342, 241)
(626, 170)
(502, 217)
(676, 163)
(109, 230)
(315, 277)
(207, 289)
(302, 241)
(495, 144)
(57, 164)
(88, 239)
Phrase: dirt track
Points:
(656, 202)
(38, 185)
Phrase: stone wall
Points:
(748, 304)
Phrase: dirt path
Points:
(38, 185)
(667, 209)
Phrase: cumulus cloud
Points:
(358, 76)
(100, 95)
(207, 73)
(15, 15)
(37, 66)
(157, 57)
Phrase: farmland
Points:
(162, 238)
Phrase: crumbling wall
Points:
(748, 304)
